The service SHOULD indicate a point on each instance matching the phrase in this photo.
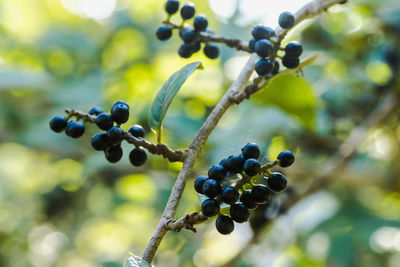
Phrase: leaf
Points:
(166, 94)
(291, 94)
(303, 64)
(135, 261)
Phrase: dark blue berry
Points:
(230, 195)
(251, 151)
(120, 113)
(217, 172)
(293, 49)
(264, 48)
(200, 23)
(104, 121)
(251, 167)
(286, 158)
(58, 124)
(138, 156)
(239, 213)
(275, 70)
(196, 47)
(100, 141)
(185, 50)
(210, 207)
(171, 6)
(95, 111)
(211, 51)
(264, 67)
(248, 200)
(211, 188)
(224, 224)
(290, 62)
(115, 134)
(189, 36)
(163, 33)
(198, 184)
(187, 11)
(252, 45)
(224, 163)
(235, 163)
(286, 20)
(262, 32)
(261, 193)
(277, 182)
(75, 129)
(113, 153)
(136, 131)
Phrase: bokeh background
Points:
(62, 204)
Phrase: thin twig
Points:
(157, 149)
(219, 110)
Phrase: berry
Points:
(136, 130)
(58, 124)
(113, 153)
(200, 23)
(251, 151)
(187, 11)
(248, 200)
(264, 48)
(264, 67)
(120, 113)
(163, 33)
(251, 167)
(119, 102)
(235, 163)
(239, 213)
(210, 207)
(224, 163)
(115, 134)
(211, 188)
(252, 45)
(138, 156)
(229, 195)
(261, 193)
(196, 47)
(95, 111)
(262, 32)
(171, 6)
(290, 62)
(217, 172)
(286, 20)
(277, 182)
(293, 49)
(275, 70)
(185, 50)
(224, 224)
(100, 141)
(211, 51)
(189, 36)
(198, 184)
(75, 129)
(286, 158)
(104, 121)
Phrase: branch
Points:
(157, 149)
(346, 151)
(219, 110)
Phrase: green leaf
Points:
(291, 94)
(166, 94)
(135, 261)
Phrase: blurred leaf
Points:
(135, 261)
(302, 64)
(165, 96)
(292, 94)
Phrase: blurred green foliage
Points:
(63, 205)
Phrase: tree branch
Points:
(196, 146)
(157, 149)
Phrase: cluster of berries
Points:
(109, 142)
(190, 36)
(248, 195)
(262, 44)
